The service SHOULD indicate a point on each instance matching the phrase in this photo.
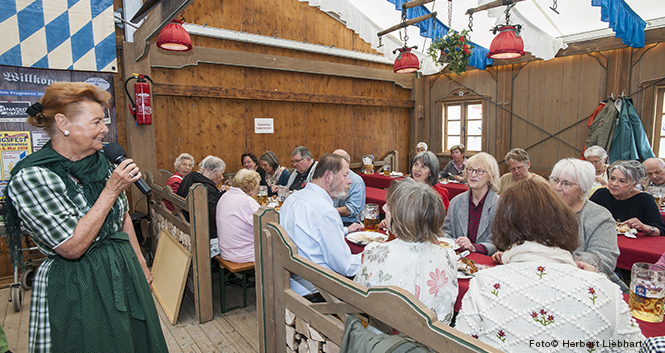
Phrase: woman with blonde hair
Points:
(470, 214)
(235, 223)
(414, 260)
(92, 291)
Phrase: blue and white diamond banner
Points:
(58, 34)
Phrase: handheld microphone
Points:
(116, 154)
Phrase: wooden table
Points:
(643, 249)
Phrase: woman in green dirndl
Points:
(92, 294)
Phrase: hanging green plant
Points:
(454, 48)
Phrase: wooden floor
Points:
(235, 331)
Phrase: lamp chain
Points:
(471, 22)
(508, 12)
(450, 13)
(406, 36)
(554, 7)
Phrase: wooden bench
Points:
(322, 324)
(226, 269)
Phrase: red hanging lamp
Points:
(508, 44)
(406, 62)
(174, 37)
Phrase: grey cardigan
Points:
(457, 219)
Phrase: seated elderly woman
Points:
(183, 166)
(414, 260)
(276, 174)
(425, 169)
(540, 294)
(235, 223)
(470, 215)
(598, 157)
(211, 173)
(572, 179)
(629, 206)
(455, 168)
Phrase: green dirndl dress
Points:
(100, 302)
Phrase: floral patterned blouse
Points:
(426, 270)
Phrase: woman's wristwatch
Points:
(652, 230)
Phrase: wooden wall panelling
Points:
(402, 118)
(618, 71)
(500, 117)
(289, 133)
(535, 114)
(328, 127)
(592, 88)
(140, 139)
(570, 101)
(519, 107)
(553, 92)
(374, 131)
(649, 66)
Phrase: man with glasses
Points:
(305, 165)
(518, 161)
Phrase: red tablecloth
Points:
(643, 249)
(454, 189)
(375, 195)
(377, 180)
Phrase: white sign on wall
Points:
(264, 126)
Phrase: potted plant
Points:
(454, 48)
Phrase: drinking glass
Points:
(371, 216)
(656, 192)
(386, 169)
(263, 195)
(647, 292)
(282, 194)
(587, 257)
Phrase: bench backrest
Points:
(277, 258)
(193, 235)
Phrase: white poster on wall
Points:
(264, 126)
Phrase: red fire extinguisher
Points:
(141, 110)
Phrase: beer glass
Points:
(647, 292)
(386, 169)
(282, 194)
(371, 216)
(657, 195)
(263, 195)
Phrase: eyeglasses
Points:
(479, 172)
(294, 161)
(564, 183)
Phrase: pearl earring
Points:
(66, 133)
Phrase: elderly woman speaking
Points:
(92, 292)
(631, 207)
(470, 215)
(572, 179)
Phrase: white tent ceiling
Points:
(577, 19)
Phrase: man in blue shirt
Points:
(315, 226)
(350, 207)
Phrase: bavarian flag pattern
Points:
(58, 34)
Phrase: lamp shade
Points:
(507, 44)
(174, 37)
(406, 62)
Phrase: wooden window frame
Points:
(462, 96)
(658, 116)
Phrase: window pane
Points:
(453, 128)
(452, 141)
(474, 143)
(474, 127)
(475, 111)
(662, 126)
(663, 100)
(661, 152)
(454, 112)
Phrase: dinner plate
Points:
(462, 275)
(364, 237)
(450, 242)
